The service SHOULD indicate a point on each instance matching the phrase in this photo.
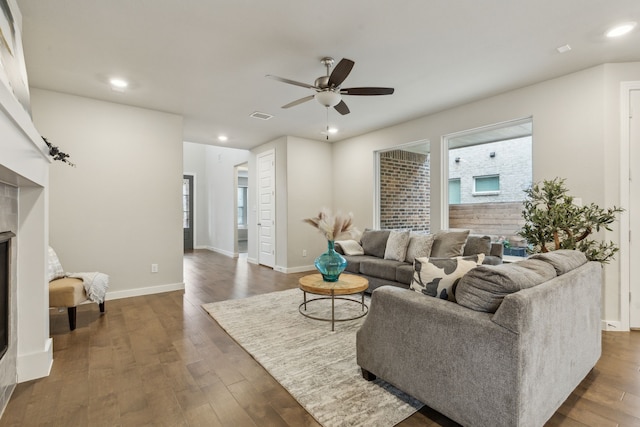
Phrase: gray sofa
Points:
(398, 271)
(512, 364)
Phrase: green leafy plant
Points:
(553, 221)
(55, 152)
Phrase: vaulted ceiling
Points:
(207, 60)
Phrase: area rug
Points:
(316, 366)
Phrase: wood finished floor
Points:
(160, 360)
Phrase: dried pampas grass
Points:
(334, 227)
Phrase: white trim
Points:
(301, 269)
(223, 252)
(376, 174)
(625, 222)
(35, 365)
(145, 291)
(612, 325)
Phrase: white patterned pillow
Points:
(419, 246)
(55, 268)
(350, 247)
(438, 277)
(397, 245)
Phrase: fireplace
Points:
(5, 280)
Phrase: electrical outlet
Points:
(304, 252)
(154, 268)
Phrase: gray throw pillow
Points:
(397, 245)
(449, 243)
(374, 242)
(438, 277)
(477, 245)
(419, 246)
(484, 288)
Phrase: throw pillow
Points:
(449, 244)
(374, 242)
(350, 247)
(55, 268)
(397, 245)
(419, 246)
(439, 277)
(477, 245)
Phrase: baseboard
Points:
(35, 365)
(300, 269)
(611, 325)
(223, 252)
(252, 260)
(144, 291)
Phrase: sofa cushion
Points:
(419, 246)
(382, 268)
(438, 277)
(562, 260)
(404, 273)
(477, 245)
(449, 244)
(397, 245)
(349, 247)
(484, 288)
(374, 242)
(353, 262)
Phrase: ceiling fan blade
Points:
(292, 82)
(342, 108)
(298, 101)
(340, 72)
(367, 91)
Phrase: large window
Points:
(242, 206)
(488, 170)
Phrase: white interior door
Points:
(266, 208)
(634, 208)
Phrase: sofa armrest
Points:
(434, 349)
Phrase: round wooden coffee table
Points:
(347, 284)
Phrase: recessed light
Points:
(563, 49)
(621, 30)
(119, 83)
(332, 130)
(223, 138)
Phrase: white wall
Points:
(120, 209)
(304, 180)
(575, 136)
(310, 180)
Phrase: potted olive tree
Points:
(553, 221)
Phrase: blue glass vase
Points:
(330, 264)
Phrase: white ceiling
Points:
(207, 59)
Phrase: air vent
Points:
(261, 116)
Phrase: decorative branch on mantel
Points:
(55, 152)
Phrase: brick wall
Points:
(405, 188)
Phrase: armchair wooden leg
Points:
(71, 311)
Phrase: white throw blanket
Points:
(95, 284)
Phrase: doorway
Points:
(242, 187)
(187, 211)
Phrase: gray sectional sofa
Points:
(382, 266)
(518, 341)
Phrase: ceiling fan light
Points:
(328, 98)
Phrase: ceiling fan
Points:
(328, 90)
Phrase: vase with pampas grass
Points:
(331, 264)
